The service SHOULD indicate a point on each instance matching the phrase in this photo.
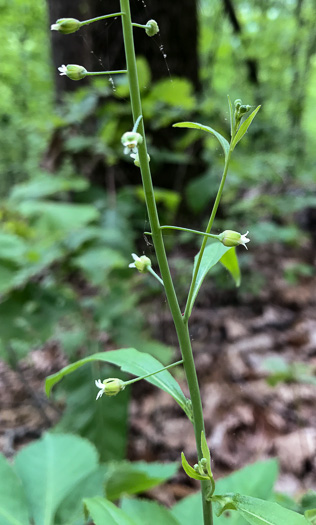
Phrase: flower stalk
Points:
(180, 325)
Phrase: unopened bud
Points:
(66, 25)
(152, 28)
(140, 263)
(231, 238)
(73, 71)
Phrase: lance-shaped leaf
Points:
(310, 515)
(195, 125)
(190, 470)
(206, 454)
(257, 511)
(243, 128)
(213, 253)
(133, 362)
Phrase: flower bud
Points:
(140, 263)
(152, 28)
(135, 156)
(66, 25)
(113, 386)
(231, 238)
(73, 71)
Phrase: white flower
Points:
(62, 69)
(243, 240)
(140, 263)
(130, 141)
(100, 385)
(54, 27)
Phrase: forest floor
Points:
(233, 334)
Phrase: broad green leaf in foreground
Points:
(310, 515)
(223, 142)
(213, 253)
(257, 511)
(244, 126)
(50, 468)
(132, 478)
(13, 505)
(102, 511)
(133, 362)
(148, 512)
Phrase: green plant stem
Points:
(180, 325)
(209, 235)
(131, 381)
(103, 17)
(139, 25)
(94, 73)
(208, 229)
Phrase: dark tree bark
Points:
(100, 45)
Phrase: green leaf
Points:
(46, 185)
(136, 477)
(257, 511)
(213, 253)
(310, 515)
(206, 453)
(70, 509)
(243, 128)
(230, 261)
(104, 512)
(146, 512)
(223, 142)
(103, 423)
(133, 362)
(50, 468)
(12, 247)
(231, 116)
(190, 470)
(13, 504)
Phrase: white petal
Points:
(132, 265)
(135, 257)
(62, 70)
(54, 27)
(100, 393)
(99, 383)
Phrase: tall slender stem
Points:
(180, 325)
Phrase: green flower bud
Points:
(110, 386)
(73, 71)
(152, 28)
(244, 109)
(140, 263)
(66, 25)
(237, 103)
(231, 238)
(135, 156)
